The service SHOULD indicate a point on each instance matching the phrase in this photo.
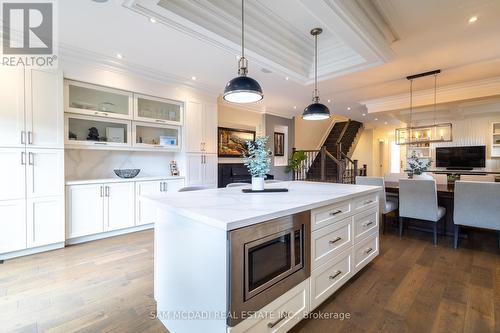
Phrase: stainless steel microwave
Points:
(267, 260)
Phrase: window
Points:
(395, 158)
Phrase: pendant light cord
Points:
(242, 29)
(435, 99)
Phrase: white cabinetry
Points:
(201, 169)
(145, 212)
(119, 206)
(32, 161)
(201, 128)
(96, 208)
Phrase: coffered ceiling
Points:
(367, 49)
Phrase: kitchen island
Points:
(256, 262)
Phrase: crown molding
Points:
(444, 94)
(72, 54)
(274, 42)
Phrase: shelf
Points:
(157, 110)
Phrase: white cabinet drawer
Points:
(331, 240)
(365, 251)
(329, 277)
(280, 315)
(365, 202)
(365, 223)
(330, 214)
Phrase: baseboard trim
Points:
(89, 238)
(26, 252)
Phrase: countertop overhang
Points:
(230, 208)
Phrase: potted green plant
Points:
(417, 165)
(258, 161)
(295, 161)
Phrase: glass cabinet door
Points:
(95, 131)
(158, 110)
(95, 100)
(156, 136)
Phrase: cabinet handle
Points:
(283, 316)
(31, 158)
(331, 277)
(335, 240)
(23, 137)
(368, 202)
(161, 186)
(30, 137)
(335, 212)
(368, 250)
(23, 158)
(107, 191)
(102, 191)
(159, 121)
(164, 186)
(367, 224)
(100, 143)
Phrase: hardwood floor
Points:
(107, 286)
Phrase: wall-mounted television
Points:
(468, 157)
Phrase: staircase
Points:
(333, 162)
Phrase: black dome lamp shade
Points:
(243, 89)
(316, 110)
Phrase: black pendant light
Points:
(243, 89)
(316, 110)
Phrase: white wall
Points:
(309, 134)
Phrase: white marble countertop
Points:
(120, 180)
(230, 208)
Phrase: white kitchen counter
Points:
(230, 208)
(120, 180)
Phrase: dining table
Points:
(445, 194)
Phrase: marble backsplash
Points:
(83, 164)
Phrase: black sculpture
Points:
(93, 134)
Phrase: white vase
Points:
(257, 183)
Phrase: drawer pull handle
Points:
(335, 212)
(283, 316)
(331, 277)
(368, 202)
(100, 143)
(367, 224)
(368, 250)
(335, 240)
(159, 121)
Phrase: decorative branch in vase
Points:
(258, 161)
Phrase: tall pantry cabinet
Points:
(31, 161)
(201, 144)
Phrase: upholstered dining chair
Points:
(237, 184)
(387, 206)
(394, 178)
(418, 200)
(193, 188)
(477, 204)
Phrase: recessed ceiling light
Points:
(349, 108)
(119, 55)
(364, 114)
(329, 100)
(287, 78)
(152, 20)
(294, 106)
(385, 123)
(376, 119)
(193, 78)
(473, 19)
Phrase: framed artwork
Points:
(232, 142)
(279, 144)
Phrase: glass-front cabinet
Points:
(94, 100)
(157, 110)
(94, 131)
(156, 136)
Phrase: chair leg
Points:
(400, 227)
(435, 238)
(455, 236)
